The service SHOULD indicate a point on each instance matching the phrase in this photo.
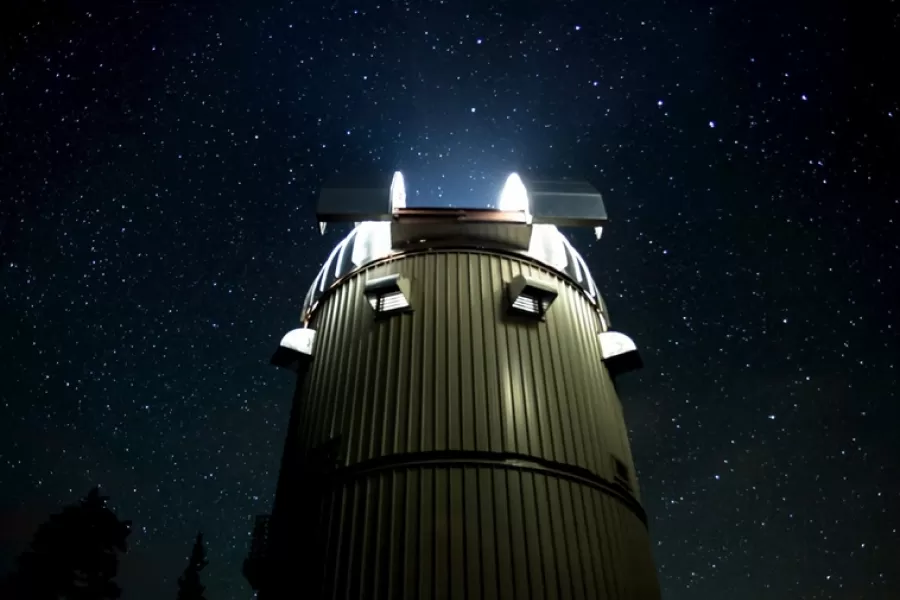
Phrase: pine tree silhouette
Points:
(73, 556)
(189, 586)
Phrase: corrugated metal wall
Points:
(472, 533)
(459, 378)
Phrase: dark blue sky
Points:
(159, 164)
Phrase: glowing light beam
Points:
(514, 196)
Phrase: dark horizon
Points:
(157, 237)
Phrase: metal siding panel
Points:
(354, 388)
(543, 397)
(347, 358)
(429, 357)
(436, 542)
(397, 510)
(505, 364)
(517, 534)
(402, 396)
(491, 368)
(595, 558)
(328, 389)
(597, 400)
(505, 543)
(476, 548)
(370, 424)
(512, 361)
(440, 379)
(469, 351)
(332, 537)
(356, 569)
(593, 414)
(523, 398)
(346, 563)
(532, 372)
(553, 535)
(427, 537)
(535, 538)
(360, 399)
(488, 534)
(457, 560)
(608, 548)
(586, 443)
(341, 389)
(560, 333)
(381, 564)
(417, 375)
(586, 386)
(411, 546)
(316, 381)
(442, 534)
(478, 353)
(602, 557)
(603, 402)
(568, 540)
(369, 546)
(453, 366)
(388, 408)
(315, 405)
(612, 543)
(457, 374)
(558, 389)
(575, 385)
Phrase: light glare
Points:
(514, 196)
(398, 191)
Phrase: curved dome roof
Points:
(370, 241)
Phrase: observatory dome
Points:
(371, 241)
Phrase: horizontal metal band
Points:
(493, 460)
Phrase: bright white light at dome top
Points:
(398, 191)
(514, 196)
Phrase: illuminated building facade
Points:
(455, 430)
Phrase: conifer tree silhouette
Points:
(189, 586)
(73, 556)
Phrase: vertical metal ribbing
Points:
(520, 556)
(456, 375)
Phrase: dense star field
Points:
(160, 163)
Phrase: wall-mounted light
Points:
(398, 192)
(619, 353)
(514, 196)
(388, 295)
(530, 297)
(296, 346)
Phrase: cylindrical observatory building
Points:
(455, 431)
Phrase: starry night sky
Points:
(159, 168)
